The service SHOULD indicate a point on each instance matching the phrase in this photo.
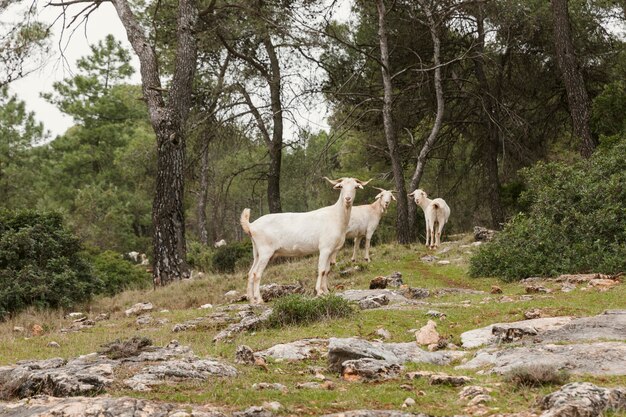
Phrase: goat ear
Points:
(378, 196)
(338, 186)
(412, 194)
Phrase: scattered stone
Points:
(374, 301)
(506, 334)
(138, 308)
(75, 315)
(43, 405)
(272, 405)
(161, 322)
(379, 282)
(254, 411)
(327, 385)
(144, 320)
(536, 289)
(610, 325)
(298, 350)
(472, 391)
(244, 355)
(53, 345)
(482, 234)
(604, 358)
(232, 295)
(475, 244)
(18, 329)
(368, 369)
(395, 280)
(419, 374)
(165, 310)
(444, 262)
(496, 290)
(479, 399)
(452, 380)
(119, 349)
(205, 306)
(375, 413)
(583, 399)
(416, 293)
(394, 296)
(341, 350)
(102, 316)
(428, 258)
(349, 271)
(444, 250)
(428, 334)
(409, 402)
(269, 386)
(37, 330)
(78, 325)
(585, 278)
(568, 287)
(452, 290)
(247, 323)
(603, 284)
(383, 333)
(535, 313)
(436, 314)
(271, 292)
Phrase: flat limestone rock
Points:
(101, 406)
(375, 413)
(603, 358)
(583, 399)
(248, 322)
(296, 351)
(484, 336)
(341, 350)
(368, 369)
(358, 295)
(611, 325)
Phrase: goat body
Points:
(436, 215)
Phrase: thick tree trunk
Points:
(577, 97)
(402, 221)
(489, 116)
(276, 146)
(168, 121)
(432, 137)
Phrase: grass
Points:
(464, 312)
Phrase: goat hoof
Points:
(352, 260)
(367, 260)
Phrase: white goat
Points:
(436, 213)
(219, 243)
(298, 234)
(364, 220)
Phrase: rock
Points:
(295, 351)
(232, 295)
(472, 391)
(409, 402)
(444, 262)
(144, 319)
(482, 234)
(416, 293)
(374, 301)
(485, 336)
(102, 406)
(583, 399)
(383, 333)
(255, 411)
(119, 349)
(18, 329)
(444, 250)
(178, 369)
(610, 325)
(244, 355)
(205, 306)
(479, 399)
(419, 374)
(269, 386)
(447, 291)
(568, 287)
(358, 295)
(272, 405)
(536, 289)
(341, 350)
(375, 413)
(507, 334)
(535, 313)
(247, 323)
(368, 369)
(604, 358)
(427, 334)
(452, 380)
(496, 290)
(327, 385)
(53, 345)
(436, 314)
(379, 282)
(271, 292)
(429, 258)
(37, 330)
(102, 316)
(585, 278)
(138, 308)
(393, 280)
(75, 315)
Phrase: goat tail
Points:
(245, 220)
(436, 206)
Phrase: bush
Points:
(575, 223)
(297, 309)
(536, 376)
(228, 257)
(40, 263)
(118, 274)
(199, 256)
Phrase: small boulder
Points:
(496, 290)
(144, 320)
(205, 306)
(368, 369)
(374, 301)
(416, 293)
(379, 282)
(383, 333)
(452, 380)
(244, 355)
(138, 309)
(18, 329)
(53, 345)
(428, 334)
(482, 234)
(436, 314)
(472, 391)
(536, 289)
(37, 330)
(261, 386)
(409, 402)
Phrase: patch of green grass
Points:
(297, 309)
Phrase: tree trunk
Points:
(402, 222)
(168, 121)
(577, 97)
(276, 145)
(202, 195)
(489, 116)
(432, 138)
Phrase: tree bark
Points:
(168, 121)
(402, 222)
(432, 137)
(489, 117)
(276, 146)
(204, 189)
(577, 97)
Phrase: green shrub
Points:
(576, 221)
(227, 258)
(40, 263)
(536, 376)
(297, 309)
(199, 256)
(118, 274)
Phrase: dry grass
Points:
(536, 376)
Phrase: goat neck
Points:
(343, 211)
(425, 202)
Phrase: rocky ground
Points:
(426, 340)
